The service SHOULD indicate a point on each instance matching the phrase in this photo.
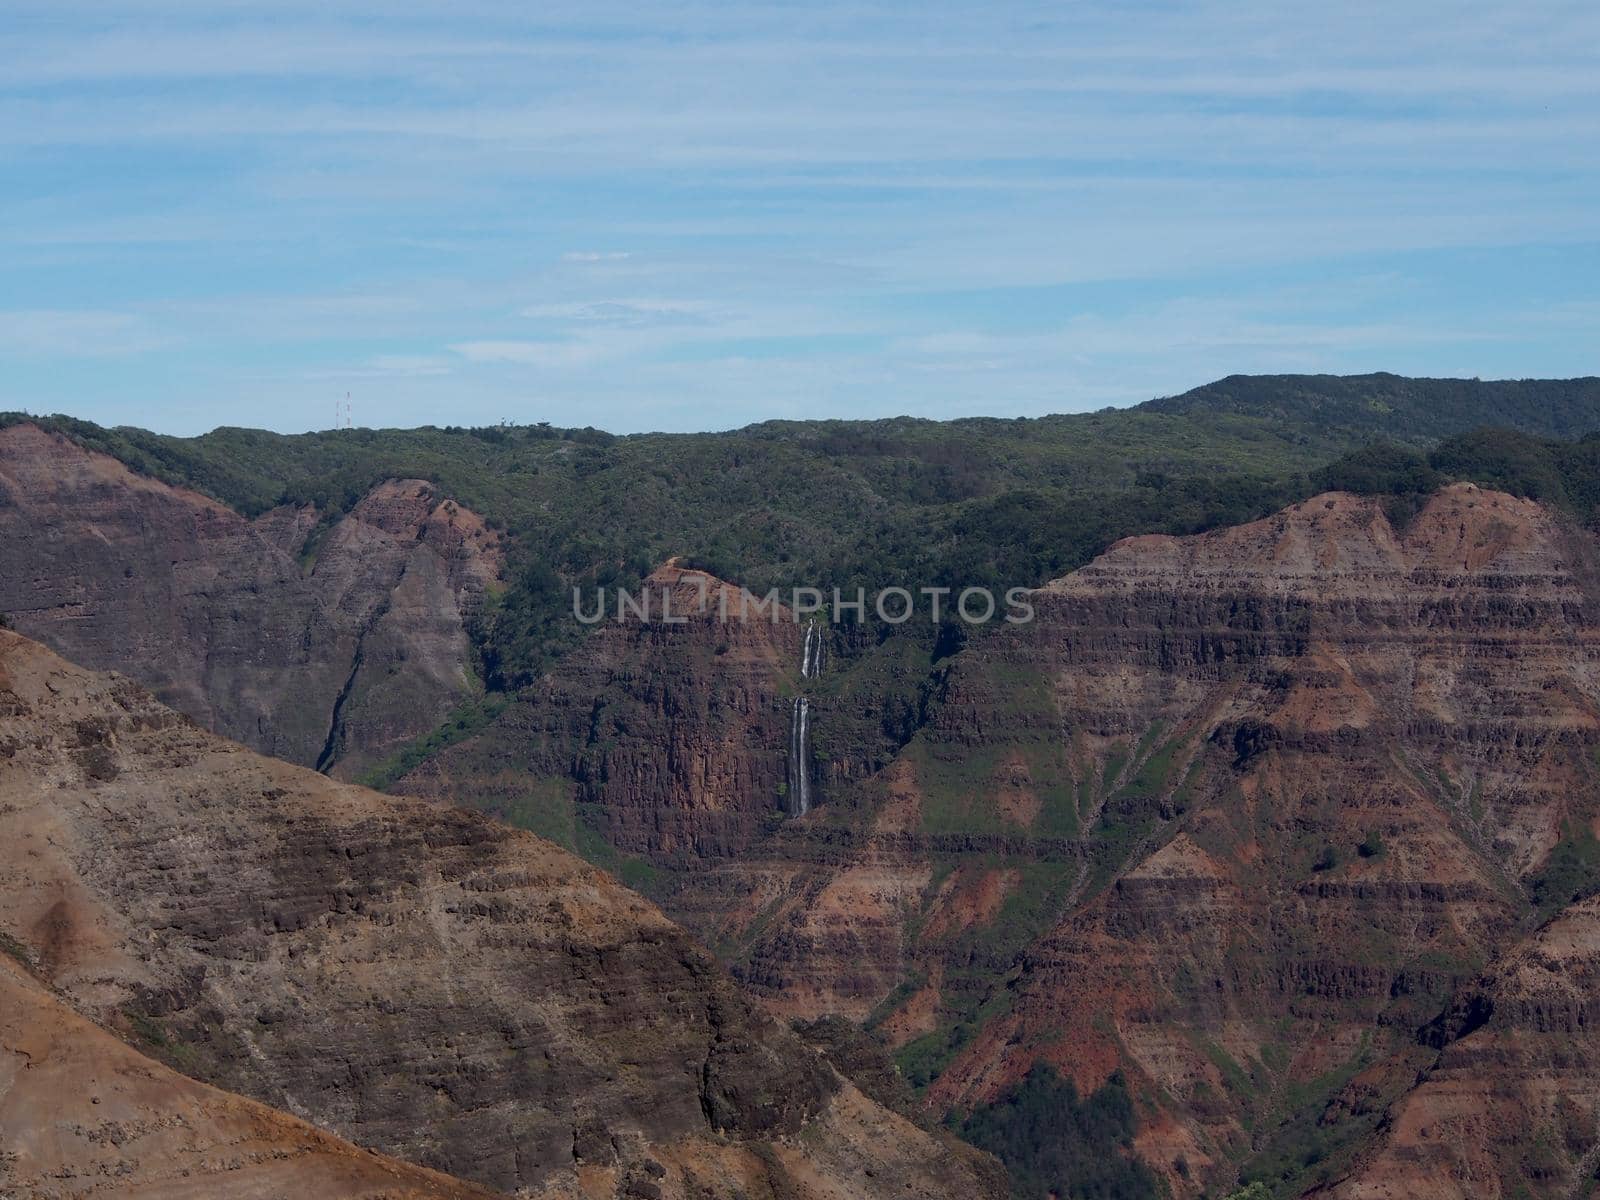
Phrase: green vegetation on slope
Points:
(468, 718)
(1056, 1145)
(1316, 1138)
(1570, 873)
(1563, 473)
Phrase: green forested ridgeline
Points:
(983, 501)
(1397, 408)
(775, 505)
(1559, 472)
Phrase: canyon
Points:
(1323, 763)
(1285, 830)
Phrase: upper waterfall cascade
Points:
(811, 652)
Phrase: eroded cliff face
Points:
(418, 979)
(331, 653)
(666, 732)
(1316, 762)
(662, 749)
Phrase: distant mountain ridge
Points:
(1398, 407)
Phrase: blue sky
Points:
(694, 215)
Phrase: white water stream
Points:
(800, 727)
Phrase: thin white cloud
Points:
(636, 312)
(69, 334)
(531, 354)
(387, 366)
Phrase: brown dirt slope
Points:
(82, 1114)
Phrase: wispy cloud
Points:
(530, 354)
(632, 312)
(386, 366)
(76, 333)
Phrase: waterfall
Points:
(800, 727)
(799, 772)
(811, 652)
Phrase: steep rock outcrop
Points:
(334, 663)
(670, 739)
(668, 730)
